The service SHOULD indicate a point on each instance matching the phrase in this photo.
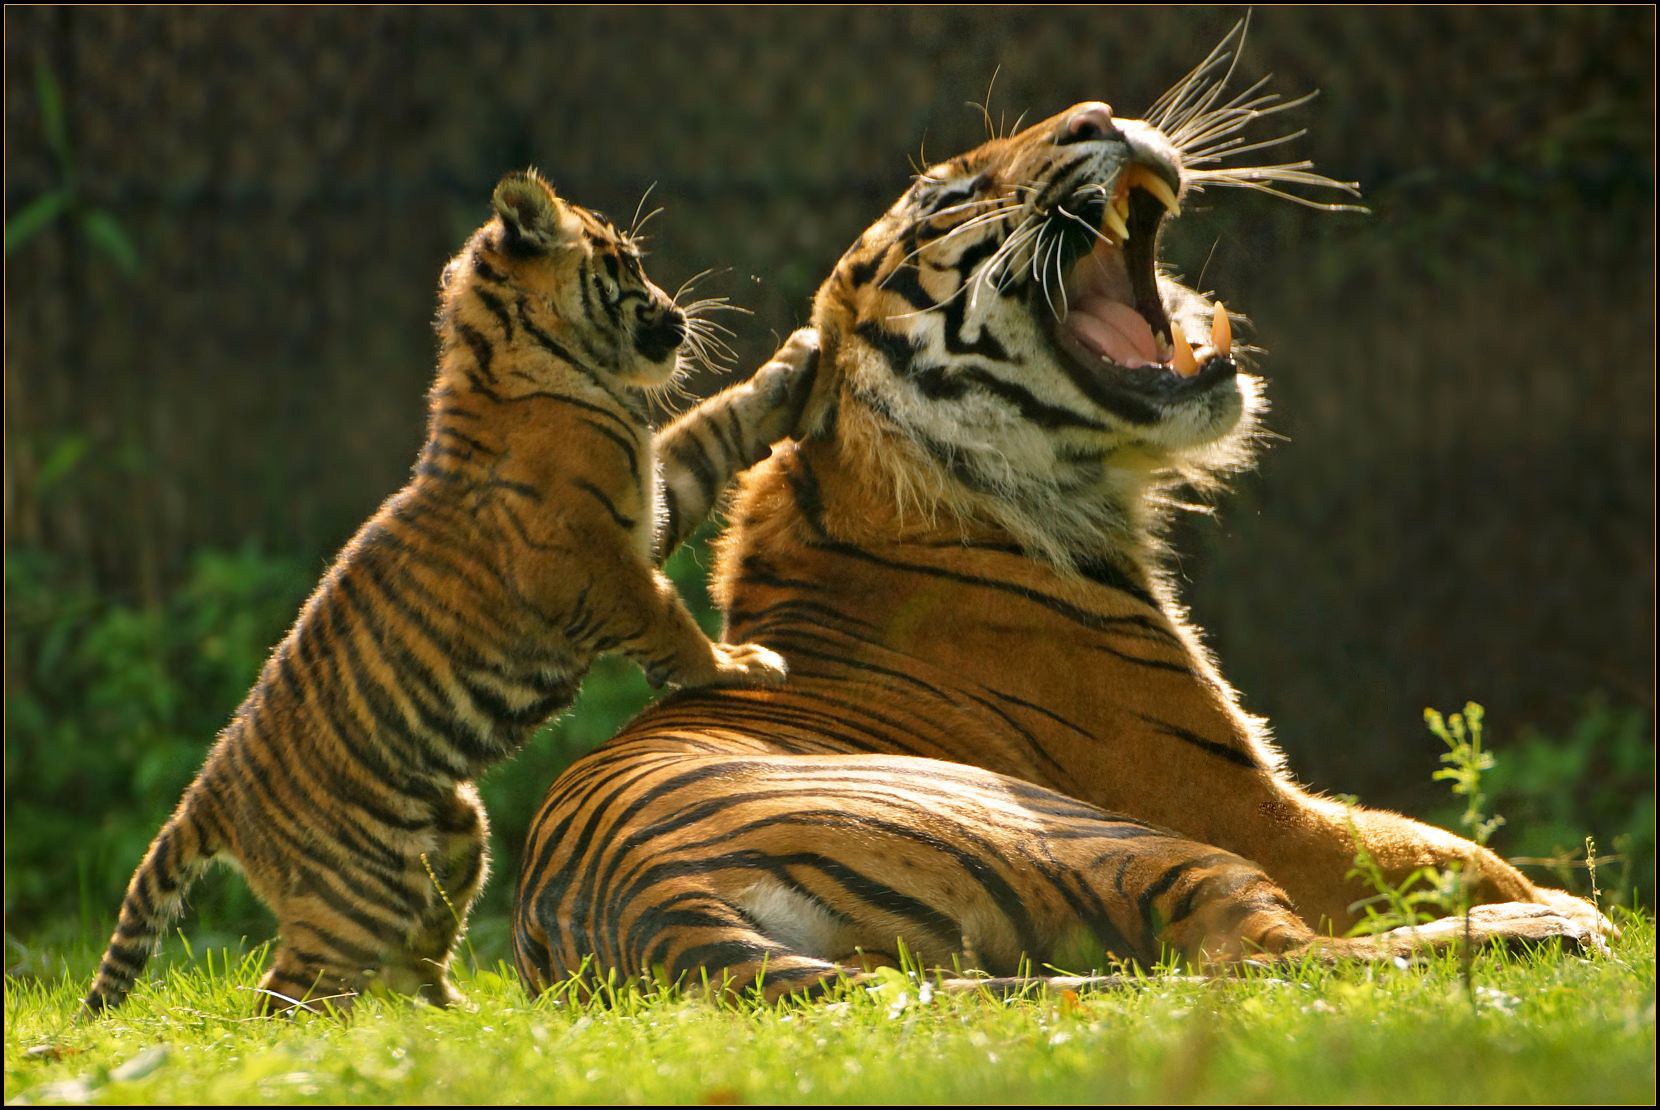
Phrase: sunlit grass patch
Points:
(1540, 1027)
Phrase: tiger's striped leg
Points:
(326, 953)
(797, 862)
(646, 619)
(296, 979)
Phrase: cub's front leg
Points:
(646, 620)
(707, 446)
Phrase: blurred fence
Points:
(1465, 503)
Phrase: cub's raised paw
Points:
(785, 381)
(748, 665)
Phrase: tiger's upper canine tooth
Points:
(1160, 189)
(1184, 363)
(1115, 224)
(1221, 330)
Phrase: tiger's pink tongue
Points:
(1113, 329)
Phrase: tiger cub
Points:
(465, 612)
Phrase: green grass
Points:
(1542, 1027)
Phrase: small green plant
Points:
(1465, 764)
(1430, 892)
(1422, 896)
(1596, 776)
(66, 199)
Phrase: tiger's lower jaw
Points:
(1147, 396)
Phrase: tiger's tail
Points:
(155, 893)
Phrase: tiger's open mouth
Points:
(1112, 328)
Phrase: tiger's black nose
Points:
(1092, 122)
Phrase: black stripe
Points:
(628, 446)
(624, 522)
(1231, 754)
(482, 351)
(688, 451)
(498, 310)
(484, 270)
(1093, 621)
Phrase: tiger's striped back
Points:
(466, 611)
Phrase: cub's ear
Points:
(537, 221)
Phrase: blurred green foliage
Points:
(111, 706)
(1594, 779)
(65, 198)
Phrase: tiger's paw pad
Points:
(748, 665)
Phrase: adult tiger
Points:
(999, 740)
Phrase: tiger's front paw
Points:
(1581, 913)
(747, 665)
(1522, 925)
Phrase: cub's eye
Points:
(608, 288)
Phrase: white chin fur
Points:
(652, 375)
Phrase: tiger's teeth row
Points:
(1183, 361)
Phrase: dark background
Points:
(217, 345)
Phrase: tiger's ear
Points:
(536, 220)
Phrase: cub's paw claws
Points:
(749, 665)
(786, 378)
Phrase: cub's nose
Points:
(661, 332)
(1093, 121)
(673, 325)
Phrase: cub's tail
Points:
(177, 856)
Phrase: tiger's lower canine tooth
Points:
(1115, 224)
(1184, 363)
(1221, 330)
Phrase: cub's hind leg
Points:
(336, 933)
(454, 872)
(297, 980)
